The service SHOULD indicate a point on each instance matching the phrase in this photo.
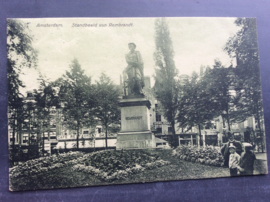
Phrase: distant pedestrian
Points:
(233, 161)
(247, 160)
(225, 148)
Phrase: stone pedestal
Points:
(135, 125)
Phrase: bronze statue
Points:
(133, 73)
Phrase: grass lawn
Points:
(65, 177)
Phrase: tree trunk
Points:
(173, 134)
(106, 137)
(94, 143)
(20, 140)
(78, 137)
(200, 135)
(43, 151)
(228, 120)
(13, 142)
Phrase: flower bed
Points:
(204, 155)
(106, 165)
(111, 165)
(44, 164)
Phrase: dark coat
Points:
(226, 153)
(247, 163)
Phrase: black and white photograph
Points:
(102, 101)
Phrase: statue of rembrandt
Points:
(134, 71)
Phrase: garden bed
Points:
(44, 164)
(111, 165)
(67, 176)
(204, 155)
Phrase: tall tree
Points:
(196, 106)
(107, 111)
(20, 53)
(76, 93)
(166, 72)
(221, 86)
(46, 98)
(243, 46)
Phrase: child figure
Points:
(234, 161)
(247, 160)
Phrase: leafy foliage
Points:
(78, 98)
(220, 84)
(244, 47)
(47, 103)
(20, 54)
(107, 110)
(196, 106)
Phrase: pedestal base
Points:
(135, 125)
(135, 140)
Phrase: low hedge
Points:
(205, 155)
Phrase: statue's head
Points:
(131, 45)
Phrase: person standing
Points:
(247, 160)
(234, 160)
(225, 148)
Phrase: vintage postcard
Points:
(101, 101)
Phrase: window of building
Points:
(159, 130)
(85, 132)
(53, 136)
(169, 129)
(99, 130)
(33, 138)
(45, 136)
(25, 139)
(158, 117)
(11, 140)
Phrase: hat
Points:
(132, 44)
(246, 144)
(232, 146)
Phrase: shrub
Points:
(204, 155)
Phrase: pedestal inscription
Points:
(135, 125)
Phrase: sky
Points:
(196, 42)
